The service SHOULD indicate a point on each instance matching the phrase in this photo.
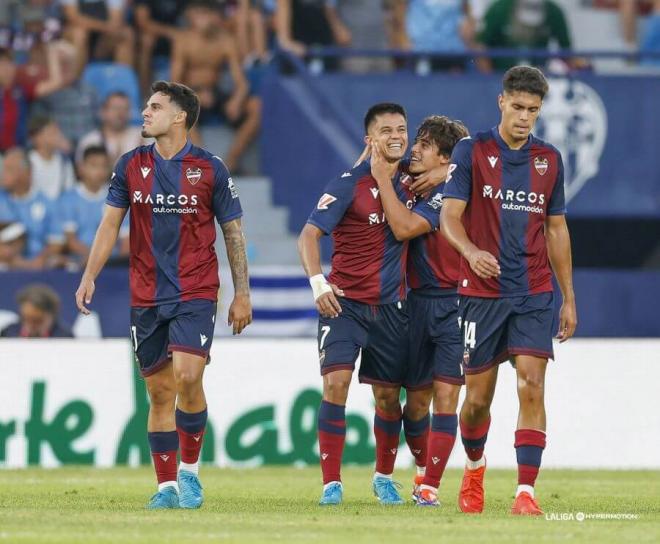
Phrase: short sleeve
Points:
(459, 174)
(226, 204)
(118, 192)
(334, 202)
(557, 203)
(429, 208)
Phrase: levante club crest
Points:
(541, 165)
(193, 175)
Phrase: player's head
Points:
(387, 124)
(434, 142)
(524, 89)
(94, 168)
(172, 107)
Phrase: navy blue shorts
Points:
(495, 329)
(157, 331)
(380, 332)
(436, 347)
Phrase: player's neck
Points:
(511, 143)
(168, 146)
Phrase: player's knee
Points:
(163, 397)
(417, 405)
(187, 379)
(387, 400)
(531, 387)
(477, 404)
(335, 388)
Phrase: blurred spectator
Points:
(80, 209)
(34, 211)
(523, 24)
(52, 171)
(650, 39)
(116, 135)
(73, 107)
(99, 31)
(157, 22)
(438, 26)
(200, 55)
(248, 21)
(38, 308)
(367, 23)
(304, 24)
(16, 95)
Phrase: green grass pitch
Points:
(86, 505)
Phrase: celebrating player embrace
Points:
(174, 191)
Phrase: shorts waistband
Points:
(434, 292)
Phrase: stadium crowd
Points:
(73, 74)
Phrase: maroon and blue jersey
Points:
(368, 262)
(172, 206)
(433, 264)
(510, 193)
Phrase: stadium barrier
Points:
(81, 402)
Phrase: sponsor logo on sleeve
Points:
(232, 188)
(325, 201)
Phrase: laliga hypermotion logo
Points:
(574, 119)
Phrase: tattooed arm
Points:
(240, 311)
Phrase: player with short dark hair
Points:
(368, 276)
(504, 212)
(174, 191)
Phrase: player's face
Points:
(424, 156)
(160, 115)
(520, 110)
(15, 173)
(390, 130)
(95, 171)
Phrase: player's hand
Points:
(363, 156)
(483, 264)
(567, 320)
(240, 313)
(423, 184)
(381, 170)
(84, 294)
(327, 303)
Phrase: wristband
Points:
(319, 285)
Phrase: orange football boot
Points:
(471, 496)
(525, 505)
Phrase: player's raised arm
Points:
(405, 223)
(240, 311)
(310, 256)
(104, 242)
(558, 242)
